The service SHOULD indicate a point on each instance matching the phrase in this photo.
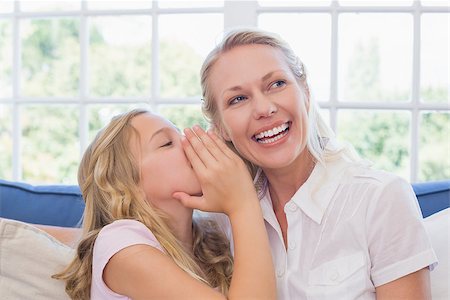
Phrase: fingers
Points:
(195, 160)
(209, 142)
(190, 201)
(204, 146)
(199, 147)
(221, 144)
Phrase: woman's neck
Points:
(284, 182)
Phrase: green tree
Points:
(434, 146)
(180, 70)
(50, 148)
(384, 137)
(50, 58)
(364, 73)
(5, 142)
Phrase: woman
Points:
(337, 228)
(140, 242)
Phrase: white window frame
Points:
(236, 13)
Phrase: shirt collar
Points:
(314, 196)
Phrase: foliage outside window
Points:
(73, 71)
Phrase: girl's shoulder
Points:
(126, 232)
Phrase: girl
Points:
(140, 242)
(337, 228)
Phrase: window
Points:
(379, 70)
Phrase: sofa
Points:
(63, 205)
(29, 256)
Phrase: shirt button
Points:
(292, 206)
(292, 245)
(333, 275)
(280, 272)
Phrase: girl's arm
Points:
(143, 272)
(228, 187)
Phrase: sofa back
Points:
(63, 205)
(59, 205)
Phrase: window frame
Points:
(235, 13)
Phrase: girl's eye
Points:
(237, 99)
(278, 83)
(169, 143)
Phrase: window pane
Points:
(380, 136)
(183, 116)
(312, 46)
(50, 144)
(434, 148)
(184, 43)
(434, 64)
(5, 58)
(375, 57)
(118, 5)
(325, 114)
(295, 3)
(120, 56)
(100, 115)
(50, 57)
(189, 3)
(39, 5)
(6, 6)
(6, 142)
(376, 2)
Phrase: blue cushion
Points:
(433, 196)
(63, 205)
(59, 205)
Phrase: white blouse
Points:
(350, 229)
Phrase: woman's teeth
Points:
(272, 135)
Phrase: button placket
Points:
(333, 275)
(290, 210)
(292, 245)
(280, 272)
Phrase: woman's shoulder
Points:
(358, 173)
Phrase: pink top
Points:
(110, 240)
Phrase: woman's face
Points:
(261, 106)
(164, 168)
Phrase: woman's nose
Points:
(263, 107)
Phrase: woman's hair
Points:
(109, 180)
(319, 133)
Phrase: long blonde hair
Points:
(319, 133)
(109, 180)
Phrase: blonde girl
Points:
(141, 242)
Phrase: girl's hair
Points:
(109, 180)
(319, 133)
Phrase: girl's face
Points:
(261, 105)
(164, 168)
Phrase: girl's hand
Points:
(225, 180)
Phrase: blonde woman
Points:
(338, 229)
(140, 242)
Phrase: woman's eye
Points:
(237, 99)
(278, 83)
(167, 144)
